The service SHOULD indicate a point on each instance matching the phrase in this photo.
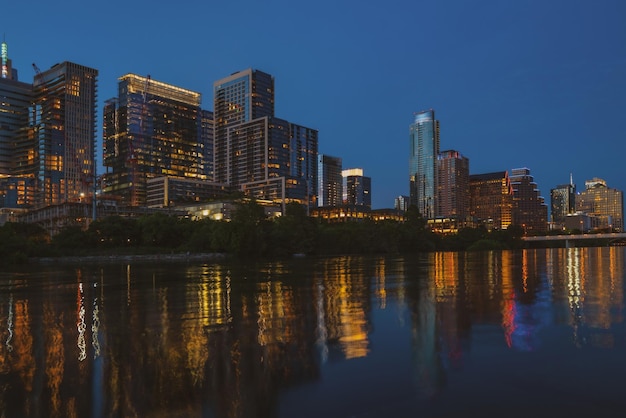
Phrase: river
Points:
(499, 333)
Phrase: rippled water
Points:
(519, 333)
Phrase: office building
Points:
(603, 204)
(453, 185)
(424, 149)
(61, 150)
(257, 153)
(357, 188)
(401, 203)
(529, 209)
(17, 159)
(562, 202)
(153, 129)
(491, 200)
(330, 181)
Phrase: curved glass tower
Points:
(424, 148)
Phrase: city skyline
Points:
(526, 85)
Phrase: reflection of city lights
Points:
(82, 346)
(95, 325)
(321, 331)
(10, 324)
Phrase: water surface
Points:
(512, 333)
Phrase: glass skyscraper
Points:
(63, 123)
(357, 188)
(330, 181)
(563, 201)
(153, 129)
(453, 185)
(529, 209)
(424, 149)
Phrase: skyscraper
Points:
(152, 129)
(17, 149)
(529, 209)
(240, 98)
(563, 201)
(330, 181)
(64, 127)
(604, 204)
(357, 188)
(453, 185)
(424, 148)
(255, 152)
(491, 199)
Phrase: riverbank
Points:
(116, 258)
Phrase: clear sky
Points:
(522, 83)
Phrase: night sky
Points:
(527, 83)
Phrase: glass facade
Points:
(15, 103)
(357, 188)
(529, 209)
(330, 181)
(562, 202)
(153, 129)
(63, 123)
(424, 149)
(453, 185)
(491, 199)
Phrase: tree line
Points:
(249, 234)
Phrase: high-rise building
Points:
(330, 181)
(15, 103)
(153, 129)
(61, 153)
(17, 148)
(207, 125)
(265, 157)
(529, 209)
(357, 188)
(491, 199)
(401, 203)
(453, 185)
(240, 98)
(424, 148)
(563, 201)
(604, 204)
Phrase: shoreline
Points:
(129, 257)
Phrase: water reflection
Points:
(228, 340)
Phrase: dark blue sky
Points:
(526, 83)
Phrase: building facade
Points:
(153, 129)
(357, 188)
(453, 185)
(562, 202)
(329, 180)
(265, 157)
(603, 204)
(491, 200)
(424, 149)
(401, 203)
(61, 149)
(529, 209)
(17, 158)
